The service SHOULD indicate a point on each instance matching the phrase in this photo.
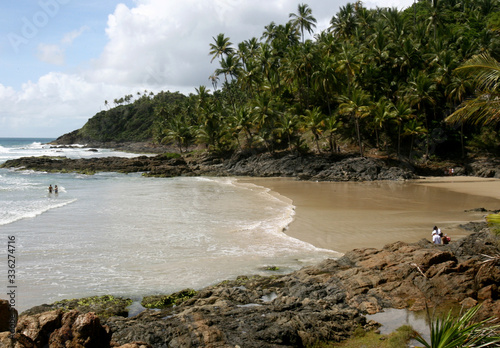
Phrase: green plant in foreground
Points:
(451, 332)
(494, 223)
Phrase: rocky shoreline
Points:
(320, 303)
(316, 167)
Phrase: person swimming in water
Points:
(56, 189)
(50, 188)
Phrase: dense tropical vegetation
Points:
(377, 80)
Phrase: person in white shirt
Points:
(436, 239)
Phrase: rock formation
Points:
(325, 302)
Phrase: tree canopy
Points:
(377, 79)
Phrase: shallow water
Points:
(131, 236)
(392, 319)
(347, 215)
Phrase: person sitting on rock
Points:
(437, 230)
(436, 239)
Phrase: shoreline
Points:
(393, 211)
(341, 291)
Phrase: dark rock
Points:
(305, 167)
(7, 314)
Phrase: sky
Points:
(60, 60)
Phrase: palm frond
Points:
(482, 110)
(484, 69)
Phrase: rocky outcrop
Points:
(325, 302)
(58, 329)
(106, 306)
(324, 167)
(485, 168)
(305, 167)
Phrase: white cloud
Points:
(70, 37)
(55, 104)
(52, 54)
(55, 54)
(156, 45)
(166, 43)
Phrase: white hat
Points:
(434, 232)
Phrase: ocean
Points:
(131, 236)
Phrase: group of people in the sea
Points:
(54, 189)
(438, 237)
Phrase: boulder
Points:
(7, 314)
(80, 330)
(40, 326)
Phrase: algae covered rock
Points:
(104, 306)
(164, 301)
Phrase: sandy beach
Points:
(342, 216)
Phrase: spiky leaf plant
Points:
(451, 332)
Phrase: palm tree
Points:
(332, 125)
(221, 47)
(243, 121)
(203, 96)
(286, 125)
(434, 19)
(304, 19)
(270, 33)
(485, 108)
(413, 128)
(314, 121)
(357, 106)
(179, 131)
(381, 114)
(401, 112)
(324, 80)
(344, 24)
(230, 65)
(348, 62)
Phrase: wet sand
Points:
(342, 216)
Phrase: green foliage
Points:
(169, 155)
(272, 268)
(485, 141)
(130, 122)
(104, 306)
(163, 301)
(378, 78)
(451, 332)
(494, 223)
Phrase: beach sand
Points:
(342, 216)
